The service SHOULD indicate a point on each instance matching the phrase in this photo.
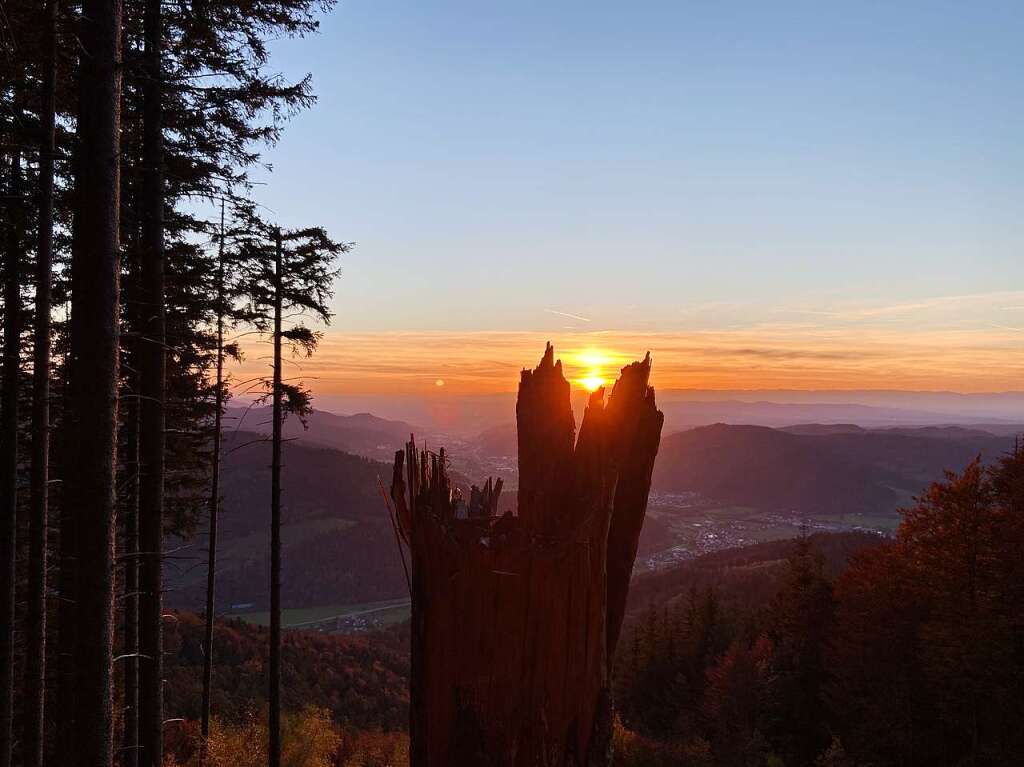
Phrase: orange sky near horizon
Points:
(780, 356)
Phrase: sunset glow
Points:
(591, 382)
(766, 357)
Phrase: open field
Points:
(332, 618)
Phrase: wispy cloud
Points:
(947, 308)
(568, 315)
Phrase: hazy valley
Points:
(714, 488)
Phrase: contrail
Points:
(566, 314)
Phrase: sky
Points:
(765, 195)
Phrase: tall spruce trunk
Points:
(35, 609)
(275, 522)
(130, 509)
(9, 451)
(152, 366)
(93, 376)
(63, 704)
(211, 556)
(515, 617)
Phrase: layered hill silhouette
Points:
(817, 469)
(339, 546)
(362, 433)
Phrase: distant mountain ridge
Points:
(361, 434)
(466, 415)
(816, 469)
(689, 413)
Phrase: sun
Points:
(593, 365)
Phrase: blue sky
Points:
(663, 166)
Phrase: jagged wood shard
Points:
(515, 617)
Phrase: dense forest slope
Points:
(361, 679)
(744, 577)
(339, 546)
(840, 650)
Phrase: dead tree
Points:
(515, 617)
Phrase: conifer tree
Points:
(151, 343)
(9, 445)
(299, 281)
(93, 375)
(229, 314)
(35, 613)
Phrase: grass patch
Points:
(389, 611)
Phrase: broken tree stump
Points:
(515, 617)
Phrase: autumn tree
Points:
(875, 660)
(737, 703)
(929, 626)
(800, 625)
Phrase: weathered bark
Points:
(274, 696)
(9, 451)
(35, 609)
(152, 362)
(93, 376)
(130, 732)
(211, 556)
(67, 556)
(515, 617)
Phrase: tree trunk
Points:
(211, 557)
(9, 452)
(93, 375)
(130, 735)
(67, 604)
(275, 524)
(515, 617)
(35, 611)
(152, 365)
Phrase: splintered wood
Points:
(515, 616)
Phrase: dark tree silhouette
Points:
(211, 557)
(274, 696)
(9, 448)
(93, 375)
(299, 280)
(151, 345)
(35, 610)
